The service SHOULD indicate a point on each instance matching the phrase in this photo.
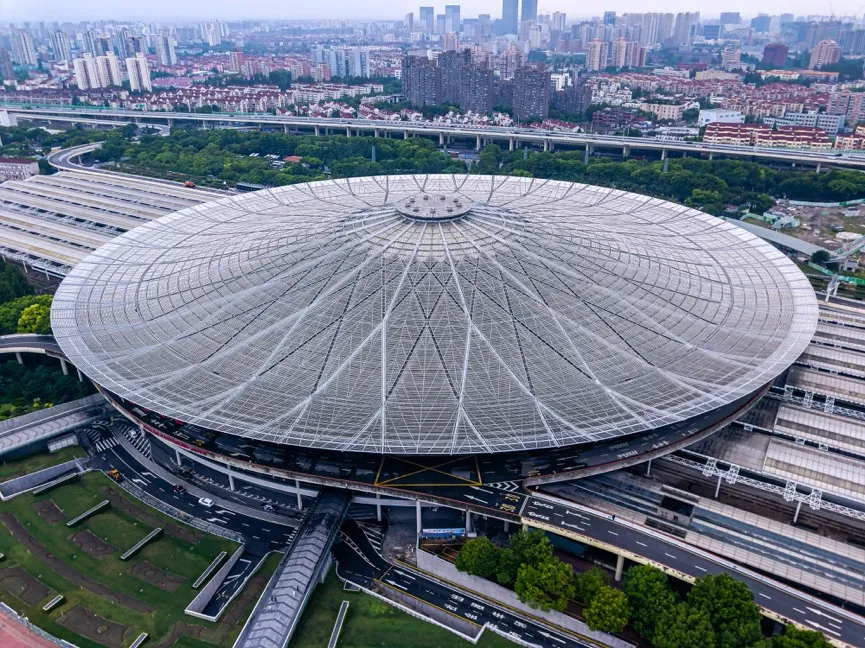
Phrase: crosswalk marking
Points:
(105, 444)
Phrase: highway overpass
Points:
(514, 137)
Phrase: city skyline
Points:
(93, 10)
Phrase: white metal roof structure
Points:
(434, 314)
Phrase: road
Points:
(770, 595)
(402, 129)
(29, 343)
(361, 563)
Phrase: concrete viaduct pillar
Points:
(64, 367)
(441, 139)
(316, 131)
(478, 145)
(375, 132)
(626, 151)
(348, 131)
(299, 498)
(405, 134)
(177, 457)
(378, 506)
(285, 128)
(19, 358)
(819, 166)
(80, 377)
(418, 513)
(711, 155)
(620, 566)
(588, 154)
(510, 143)
(230, 480)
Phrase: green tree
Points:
(730, 607)
(684, 627)
(609, 610)
(821, 257)
(589, 583)
(650, 596)
(525, 548)
(36, 318)
(547, 586)
(10, 312)
(793, 637)
(478, 557)
(13, 284)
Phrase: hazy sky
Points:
(15, 10)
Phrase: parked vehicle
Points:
(206, 502)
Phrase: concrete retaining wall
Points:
(498, 594)
(207, 592)
(24, 483)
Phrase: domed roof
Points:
(434, 314)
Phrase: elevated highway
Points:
(481, 135)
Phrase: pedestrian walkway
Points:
(47, 423)
(278, 611)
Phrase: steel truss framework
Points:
(542, 314)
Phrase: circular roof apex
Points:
(434, 206)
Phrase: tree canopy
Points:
(11, 311)
(478, 557)
(730, 607)
(13, 284)
(650, 596)
(547, 586)
(609, 610)
(35, 318)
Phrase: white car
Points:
(206, 502)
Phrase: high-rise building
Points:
(775, 54)
(452, 19)
(713, 31)
(853, 41)
(409, 21)
(139, 74)
(7, 71)
(684, 25)
(761, 23)
(531, 93)
(731, 58)
(596, 55)
(530, 10)
(102, 45)
(625, 54)
(558, 20)
(23, 50)
(211, 33)
(826, 52)
(730, 18)
(421, 81)
(235, 61)
(450, 42)
(357, 62)
(476, 89)
(108, 70)
(165, 53)
(60, 46)
(450, 65)
(609, 17)
(85, 73)
(137, 45)
(510, 11)
(89, 41)
(427, 19)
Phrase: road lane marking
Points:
(765, 595)
(671, 556)
(701, 568)
(799, 611)
(642, 544)
(612, 532)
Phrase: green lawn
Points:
(122, 530)
(18, 467)
(371, 622)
